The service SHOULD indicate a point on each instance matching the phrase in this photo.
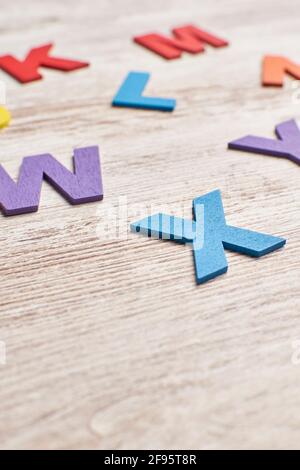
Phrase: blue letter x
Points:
(209, 235)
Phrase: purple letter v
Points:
(288, 145)
(84, 185)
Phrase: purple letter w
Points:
(84, 185)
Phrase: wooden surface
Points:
(110, 344)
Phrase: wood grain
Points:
(110, 344)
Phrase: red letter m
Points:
(187, 38)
